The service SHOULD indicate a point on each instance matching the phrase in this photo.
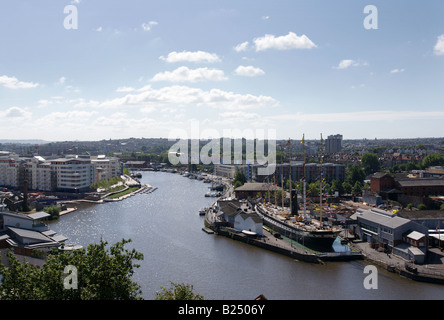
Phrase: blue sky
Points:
(151, 68)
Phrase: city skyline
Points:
(93, 70)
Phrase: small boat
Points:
(202, 212)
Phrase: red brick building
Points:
(394, 187)
(381, 182)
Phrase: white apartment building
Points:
(9, 163)
(38, 174)
(105, 168)
(70, 174)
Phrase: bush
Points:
(422, 206)
(54, 211)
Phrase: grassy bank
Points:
(120, 194)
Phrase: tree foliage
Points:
(54, 211)
(102, 274)
(239, 179)
(370, 163)
(178, 291)
(354, 173)
(433, 159)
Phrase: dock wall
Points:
(307, 257)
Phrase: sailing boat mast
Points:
(304, 178)
(289, 163)
(282, 178)
(320, 183)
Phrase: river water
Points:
(166, 227)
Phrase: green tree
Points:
(336, 185)
(354, 173)
(441, 207)
(103, 274)
(433, 159)
(178, 291)
(370, 163)
(54, 211)
(240, 176)
(237, 184)
(347, 187)
(313, 189)
(357, 188)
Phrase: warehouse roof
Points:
(380, 217)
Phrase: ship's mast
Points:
(320, 183)
(282, 178)
(289, 163)
(304, 178)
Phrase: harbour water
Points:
(166, 227)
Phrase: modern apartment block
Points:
(333, 143)
(312, 172)
(68, 174)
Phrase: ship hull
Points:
(317, 240)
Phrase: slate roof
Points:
(380, 217)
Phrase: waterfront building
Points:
(69, 174)
(229, 170)
(384, 229)
(105, 168)
(255, 189)
(9, 164)
(72, 174)
(28, 235)
(248, 221)
(239, 215)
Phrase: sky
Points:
(95, 69)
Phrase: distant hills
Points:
(26, 141)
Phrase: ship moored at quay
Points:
(308, 232)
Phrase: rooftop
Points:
(380, 217)
(258, 187)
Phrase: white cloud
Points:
(290, 41)
(14, 83)
(241, 47)
(148, 26)
(125, 89)
(249, 71)
(439, 46)
(99, 29)
(183, 96)
(16, 112)
(346, 63)
(239, 115)
(265, 17)
(62, 80)
(362, 116)
(196, 56)
(397, 70)
(184, 74)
